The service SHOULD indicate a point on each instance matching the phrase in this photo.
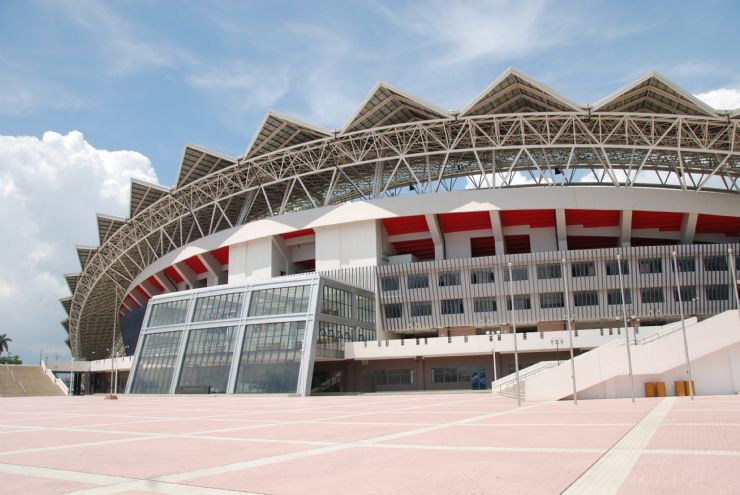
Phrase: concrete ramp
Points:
(26, 381)
(714, 349)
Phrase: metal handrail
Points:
(530, 371)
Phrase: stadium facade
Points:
(396, 253)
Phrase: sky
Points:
(95, 93)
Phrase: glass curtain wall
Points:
(270, 357)
(157, 363)
(207, 361)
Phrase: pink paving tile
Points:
(409, 417)
(575, 417)
(23, 484)
(600, 437)
(177, 425)
(50, 438)
(702, 416)
(656, 474)
(151, 457)
(325, 432)
(386, 471)
(699, 437)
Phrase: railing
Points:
(669, 329)
(58, 382)
(509, 380)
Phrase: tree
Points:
(4, 341)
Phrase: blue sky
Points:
(150, 76)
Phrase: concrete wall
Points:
(348, 245)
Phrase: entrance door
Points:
(478, 379)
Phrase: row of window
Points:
(556, 300)
(547, 271)
(265, 302)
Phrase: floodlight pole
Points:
(112, 395)
(570, 332)
(683, 325)
(516, 352)
(733, 269)
(626, 332)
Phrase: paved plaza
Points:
(368, 444)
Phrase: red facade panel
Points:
(463, 222)
(421, 248)
(592, 218)
(222, 255)
(405, 225)
(155, 283)
(534, 218)
(482, 246)
(592, 242)
(517, 244)
(718, 224)
(663, 221)
(173, 275)
(195, 264)
(297, 233)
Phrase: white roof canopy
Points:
(653, 93)
(198, 162)
(386, 105)
(515, 92)
(108, 225)
(84, 253)
(279, 131)
(144, 194)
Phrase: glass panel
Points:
(389, 283)
(207, 361)
(168, 313)
(518, 273)
(365, 308)
(280, 301)
(586, 298)
(482, 277)
(583, 269)
(452, 306)
(218, 307)
(393, 310)
(688, 293)
(447, 279)
(418, 281)
(614, 297)
(651, 295)
(685, 264)
(717, 292)
(421, 308)
(715, 263)
(270, 358)
(551, 270)
(551, 300)
(337, 302)
(650, 265)
(613, 269)
(521, 301)
(156, 363)
(484, 305)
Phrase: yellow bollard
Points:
(649, 389)
(660, 389)
(680, 388)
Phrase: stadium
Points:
(417, 248)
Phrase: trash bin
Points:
(649, 389)
(680, 388)
(660, 389)
(689, 390)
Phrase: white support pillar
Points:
(625, 228)
(437, 236)
(688, 228)
(137, 297)
(213, 267)
(187, 274)
(498, 232)
(561, 228)
(150, 289)
(165, 282)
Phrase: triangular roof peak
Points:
(279, 131)
(197, 162)
(108, 225)
(388, 105)
(144, 194)
(516, 92)
(654, 93)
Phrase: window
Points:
(218, 307)
(685, 264)
(484, 305)
(518, 273)
(393, 310)
(614, 297)
(612, 268)
(688, 292)
(365, 308)
(521, 301)
(392, 377)
(279, 301)
(421, 308)
(650, 265)
(389, 283)
(548, 271)
(716, 292)
(651, 295)
(168, 313)
(552, 300)
(156, 363)
(586, 298)
(337, 302)
(715, 263)
(482, 277)
(459, 375)
(418, 281)
(452, 306)
(447, 279)
(207, 359)
(583, 269)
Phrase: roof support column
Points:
(150, 289)
(437, 237)
(140, 300)
(625, 228)
(165, 282)
(187, 274)
(688, 227)
(378, 180)
(213, 267)
(561, 229)
(498, 232)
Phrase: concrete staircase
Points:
(26, 381)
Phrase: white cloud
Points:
(50, 190)
(722, 98)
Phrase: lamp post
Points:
(626, 333)
(570, 331)
(485, 321)
(112, 395)
(683, 325)
(513, 325)
(556, 343)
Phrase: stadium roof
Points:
(280, 131)
(143, 195)
(198, 162)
